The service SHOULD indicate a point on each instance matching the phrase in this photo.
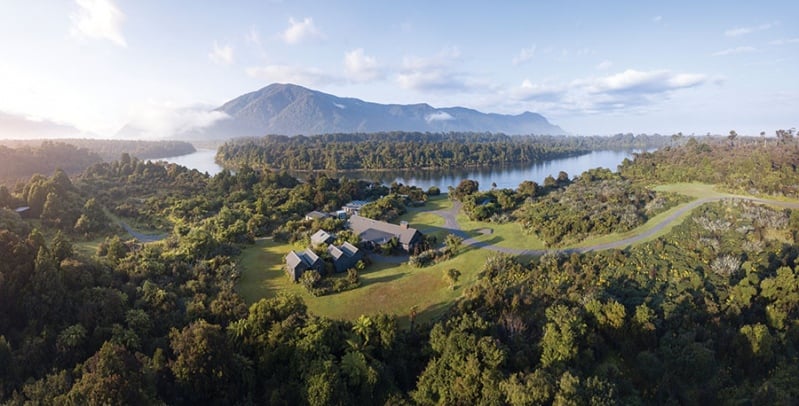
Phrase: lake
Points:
(204, 160)
(505, 176)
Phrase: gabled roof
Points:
(344, 256)
(349, 249)
(292, 259)
(316, 215)
(335, 252)
(309, 257)
(374, 230)
(320, 237)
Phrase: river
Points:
(505, 176)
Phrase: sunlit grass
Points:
(697, 190)
(507, 235)
(385, 288)
(396, 288)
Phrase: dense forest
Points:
(744, 164)
(110, 150)
(19, 159)
(20, 163)
(399, 150)
(708, 313)
(598, 202)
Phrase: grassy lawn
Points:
(385, 288)
(262, 271)
(508, 235)
(87, 247)
(697, 190)
(421, 219)
(440, 202)
(396, 288)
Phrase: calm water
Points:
(504, 177)
(202, 160)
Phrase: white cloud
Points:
(525, 54)
(529, 91)
(434, 72)
(443, 59)
(657, 19)
(604, 65)
(739, 31)
(784, 41)
(98, 19)
(361, 67)
(633, 81)
(629, 90)
(292, 74)
(222, 55)
(439, 116)
(164, 119)
(300, 31)
(733, 51)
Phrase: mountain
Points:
(290, 110)
(14, 126)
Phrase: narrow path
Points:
(139, 236)
(451, 223)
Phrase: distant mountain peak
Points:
(289, 109)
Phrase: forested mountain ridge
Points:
(288, 109)
(708, 313)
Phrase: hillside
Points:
(286, 109)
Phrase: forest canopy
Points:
(399, 150)
(708, 313)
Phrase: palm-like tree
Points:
(363, 328)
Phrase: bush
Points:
(428, 257)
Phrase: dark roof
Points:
(355, 205)
(308, 257)
(374, 230)
(376, 236)
(344, 256)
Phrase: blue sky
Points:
(590, 67)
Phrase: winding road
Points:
(451, 223)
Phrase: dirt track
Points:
(451, 224)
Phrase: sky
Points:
(591, 67)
